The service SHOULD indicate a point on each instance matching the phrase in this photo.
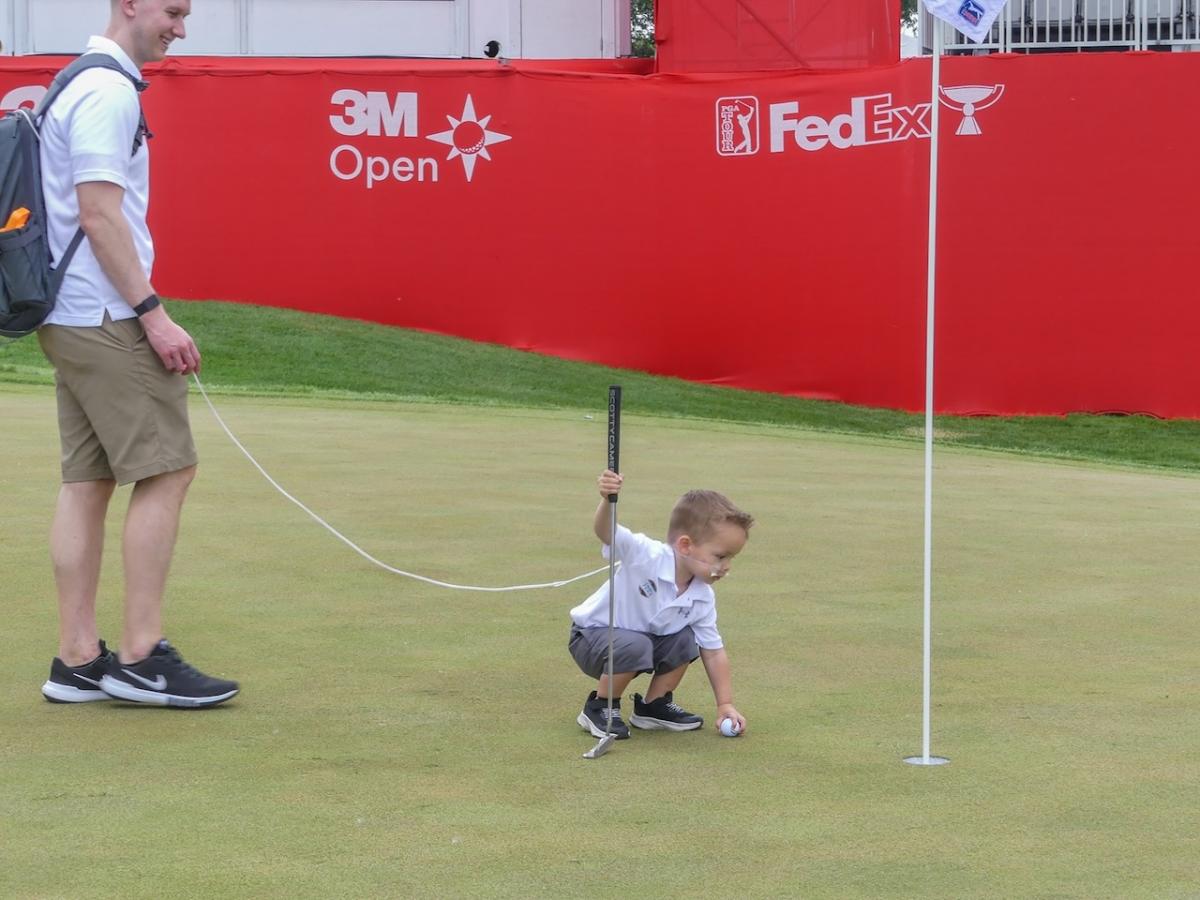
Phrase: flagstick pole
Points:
(930, 287)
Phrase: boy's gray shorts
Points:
(633, 651)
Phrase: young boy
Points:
(665, 613)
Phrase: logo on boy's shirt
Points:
(648, 588)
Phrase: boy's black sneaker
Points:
(663, 713)
(77, 684)
(164, 679)
(595, 712)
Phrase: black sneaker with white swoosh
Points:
(164, 679)
(77, 684)
(663, 713)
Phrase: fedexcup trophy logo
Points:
(969, 99)
(737, 126)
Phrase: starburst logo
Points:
(469, 137)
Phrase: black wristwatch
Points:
(146, 305)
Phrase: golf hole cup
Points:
(729, 728)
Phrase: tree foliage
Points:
(642, 27)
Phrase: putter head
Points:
(601, 748)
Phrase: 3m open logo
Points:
(376, 119)
(737, 126)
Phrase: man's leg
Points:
(149, 669)
(151, 526)
(76, 548)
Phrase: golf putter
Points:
(614, 460)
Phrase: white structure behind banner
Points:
(1052, 26)
(448, 29)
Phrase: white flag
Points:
(973, 18)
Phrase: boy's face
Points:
(710, 559)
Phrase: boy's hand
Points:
(726, 711)
(610, 483)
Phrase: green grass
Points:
(282, 352)
(395, 740)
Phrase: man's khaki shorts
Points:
(121, 415)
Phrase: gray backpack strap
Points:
(59, 272)
(76, 66)
(61, 80)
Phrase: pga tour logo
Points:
(377, 114)
(737, 126)
(874, 119)
(972, 12)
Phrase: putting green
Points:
(396, 739)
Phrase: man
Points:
(121, 368)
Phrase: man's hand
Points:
(173, 345)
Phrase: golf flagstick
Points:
(614, 461)
(930, 299)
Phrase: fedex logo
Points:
(871, 120)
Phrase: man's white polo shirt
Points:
(646, 601)
(88, 135)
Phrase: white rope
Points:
(359, 550)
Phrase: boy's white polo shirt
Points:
(88, 135)
(646, 601)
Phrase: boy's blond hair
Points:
(698, 513)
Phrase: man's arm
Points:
(108, 233)
(716, 665)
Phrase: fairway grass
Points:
(281, 352)
(394, 739)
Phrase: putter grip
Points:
(614, 432)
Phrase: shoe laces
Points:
(173, 655)
(675, 707)
(615, 713)
(182, 667)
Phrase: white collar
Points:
(666, 572)
(101, 44)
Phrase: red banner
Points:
(766, 232)
(747, 35)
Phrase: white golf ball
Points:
(729, 728)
